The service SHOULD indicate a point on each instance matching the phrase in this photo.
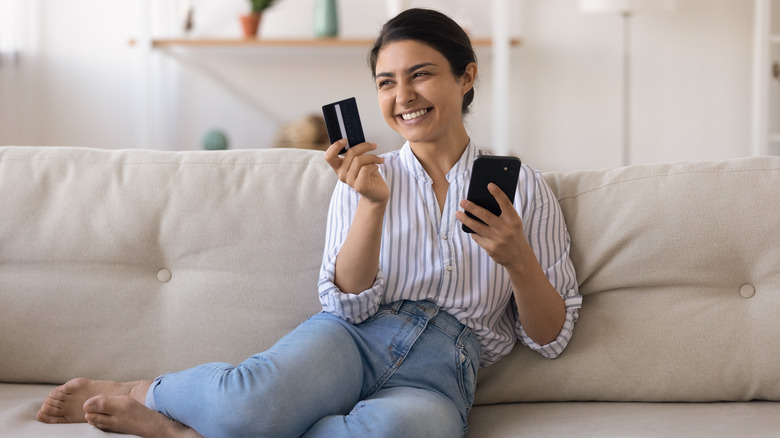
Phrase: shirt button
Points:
(448, 267)
(444, 237)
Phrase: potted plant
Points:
(251, 22)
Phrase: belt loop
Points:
(397, 306)
(464, 334)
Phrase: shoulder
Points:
(530, 179)
(393, 162)
(394, 155)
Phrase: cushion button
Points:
(164, 275)
(747, 290)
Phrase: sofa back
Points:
(127, 264)
(679, 268)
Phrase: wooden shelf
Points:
(293, 42)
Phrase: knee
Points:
(243, 408)
(407, 413)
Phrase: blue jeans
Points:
(410, 371)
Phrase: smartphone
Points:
(342, 120)
(502, 171)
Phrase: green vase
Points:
(326, 19)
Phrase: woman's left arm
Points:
(541, 308)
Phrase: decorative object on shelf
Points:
(187, 16)
(306, 132)
(250, 23)
(326, 19)
(626, 9)
(215, 140)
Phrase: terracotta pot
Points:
(250, 23)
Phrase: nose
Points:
(404, 93)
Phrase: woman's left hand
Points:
(501, 236)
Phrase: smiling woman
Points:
(412, 306)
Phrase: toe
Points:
(54, 403)
(57, 393)
(101, 421)
(50, 408)
(96, 404)
(45, 417)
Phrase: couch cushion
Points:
(18, 407)
(620, 420)
(662, 253)
(127, 264)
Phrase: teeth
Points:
(414, 115)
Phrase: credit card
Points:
(343, 121)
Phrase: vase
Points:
(250, 23)
(326, 19)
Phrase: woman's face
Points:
(419, 96)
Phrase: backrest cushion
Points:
(664, 254)
(127, 264)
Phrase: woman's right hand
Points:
(359, 170)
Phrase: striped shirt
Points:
(426, 256)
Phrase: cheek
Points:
(386, 106)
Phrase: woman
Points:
(412, 305)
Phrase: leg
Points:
(313, 372)
(394, 412)
(65, 404)
(122, 414)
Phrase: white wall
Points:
(690, 84)
(82, 84)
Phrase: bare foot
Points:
(65, 404)
(123, 414)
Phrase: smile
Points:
(414, 115)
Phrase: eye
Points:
(384, 83)
(420, 74)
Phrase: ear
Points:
(468, 78)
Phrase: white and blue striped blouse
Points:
(426, 256)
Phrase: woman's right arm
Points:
(358, 259)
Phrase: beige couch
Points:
(126, 264)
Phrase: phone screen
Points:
(500, 170)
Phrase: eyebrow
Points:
(408, 70)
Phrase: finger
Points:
(509, 216)
(503, 200)
(360, 149)
(332, 154)
(482, 213)
(360, 164)
(348, 159)
(476, 226)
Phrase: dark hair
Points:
(433, 29)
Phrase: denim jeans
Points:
(408, 371)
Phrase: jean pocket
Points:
(467, 378)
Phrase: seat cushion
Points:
(620, 420)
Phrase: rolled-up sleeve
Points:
(354, 308)
(547, 234)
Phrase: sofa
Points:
(126, 264)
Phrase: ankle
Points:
(139, 389)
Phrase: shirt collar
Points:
(461, 170)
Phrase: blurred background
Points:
(564, 84)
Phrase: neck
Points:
(437, 158)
